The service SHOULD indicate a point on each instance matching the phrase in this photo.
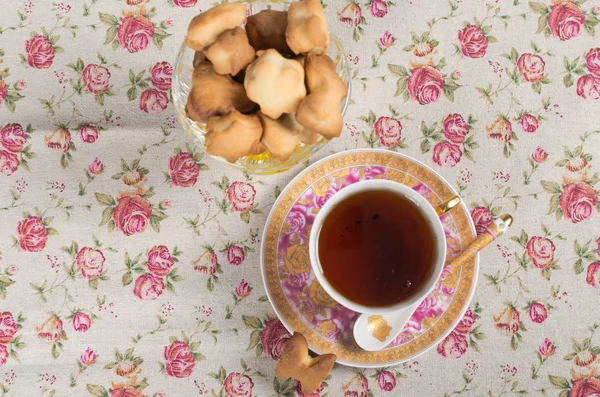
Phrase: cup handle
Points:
(447, 205)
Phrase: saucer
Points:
(299, 300)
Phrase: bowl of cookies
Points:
(261, 85)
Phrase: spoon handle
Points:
(374, 332)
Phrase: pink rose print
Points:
(466, 323)
(206, 263)
(541, 251)
(96, 78)
(131, 214)
(598, 244)
(40, 53)
(88, 357)
(238, 385)
(91, 262)
(3, 355)
(547, 348)
(32, 234)
(565, 20)
(8, 327)
(185, 3)
(588, 87)
(88, 133)
(13, 137)
(387, 40)
(241, 196)
(9, 163)
(386, 381)
(148, 287)
(179, 360)
(453, 346)
(388, 130)
(539, 156)
(235, 255)
(135, 33)
(587, 387)
(51, 330)
(508, 321)
(529, 123)
(243, 289)
(538, 313)
(96, 167)
(153, 101)
(455, 128)
(532, 67)
(593, 275)
(578, 201)
(358, 386)
(482, 218)
(183, 169)
(446, 154)
(379, 8)
(81, 322)
(316, 393)
(425, 84)
(273, 339)
(473, 43)
(160, 260)
(160, 75)
(59, 139)
(592, 60)
(128, 391)
(351, 14)
(500, 129)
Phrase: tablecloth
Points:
(130, 261)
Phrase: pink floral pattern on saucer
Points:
(309, 301)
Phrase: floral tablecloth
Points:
(130, 262)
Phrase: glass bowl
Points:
(262, 163)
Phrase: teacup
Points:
(437, 245)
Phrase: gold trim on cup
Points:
(447, 205)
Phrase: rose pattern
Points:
(148, 287)
(538, 312)
(59, 139)
(500, 130)
(388, 40)
(547, 348)
(88, 357)
(588, 387)
(446, 154)
(482, 218)
(179, 360)
(386, 381)
(378, 8)
(40, 53)
(3, 355)
(508, 321)
(455, 128)
(238, 385)
(578, 201)
(160, 75)
(539, 156)
(473, 43)
(273, 338)
(243, 289)
(235, 255)
(541, 251)
(185, 3)
(153, 101)
(241, 196)
(388, 130)
(128, 391)
(90, 262)
(565, 20)
(32, 234)
(9, 163)
(592, 61)
(588, 87)
(13, 137)
(96, 78)
(183, 169)
(160, 260)
(135, 33)
(425, 85)
(81, 322)
(88, 133)
(593, 274)
(8, 327)
(532, 66)
(96, 167)
(51, 330)
(453, 346)
(131, 215)
(529, 123)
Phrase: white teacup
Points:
(402, 310)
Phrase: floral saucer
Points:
(300, 301)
